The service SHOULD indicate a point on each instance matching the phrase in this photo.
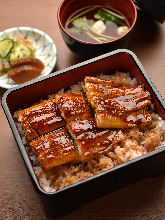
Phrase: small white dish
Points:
(45, 50)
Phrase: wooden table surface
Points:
(143, 200)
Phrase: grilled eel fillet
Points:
(40, 119)
(55, 149)
(73, 106)
(112, 83)
(92, 141)
(87, 142)
(118, 107)
(110, 92)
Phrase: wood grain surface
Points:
(143, 200)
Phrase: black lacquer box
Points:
(67, 199)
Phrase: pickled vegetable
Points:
(24, 73)
(13, 50)
(5, 47)
(20, 51)
(28, 61)
(17, 59)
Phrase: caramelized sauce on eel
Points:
(40, 119)
(55, 149)
(118, 107)
(74, 128)
(73, 106)
(92, 141)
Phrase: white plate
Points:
(45, 50)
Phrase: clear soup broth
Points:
(97, 25)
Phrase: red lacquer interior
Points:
(26, 96)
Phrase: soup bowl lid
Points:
(156, 9)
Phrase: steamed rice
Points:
(139, 141)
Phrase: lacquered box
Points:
(67, 199)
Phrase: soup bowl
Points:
(86, 49)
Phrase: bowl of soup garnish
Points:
(94, 27)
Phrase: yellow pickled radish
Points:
(99, 27)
